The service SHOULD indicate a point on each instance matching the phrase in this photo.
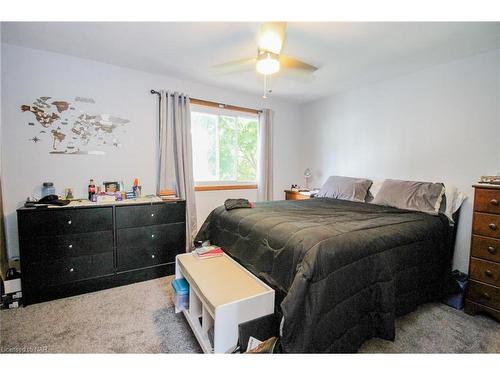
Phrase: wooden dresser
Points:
(483, 294)
(72, 250)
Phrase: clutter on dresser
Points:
(48, 189)
(494, 180)
(111, 187)
(136, 188)
(11, 291)
(168, 194)
(46, 201)
(91, 190)
(68, 193)
(107, 193)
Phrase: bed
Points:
(343, 270)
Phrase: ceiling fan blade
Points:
(236, 66)
(272, 37)
(287, 62)
(297, 75)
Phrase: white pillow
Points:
(373, 190)
(454, 199)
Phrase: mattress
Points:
(344, 270)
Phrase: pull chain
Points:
(265, 87)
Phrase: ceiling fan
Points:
(269, 60)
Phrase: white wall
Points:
(439, 124)
(28, 74)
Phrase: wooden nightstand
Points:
(483, 293)
(295, 195)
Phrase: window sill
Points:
(224, 187)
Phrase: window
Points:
(224, 146)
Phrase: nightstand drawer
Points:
(485, 271)
(487, 200)
(485, 248)
(486, 225)
(484, 294)
(294, 196)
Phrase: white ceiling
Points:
(347, 54)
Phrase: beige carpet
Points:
(139, 318)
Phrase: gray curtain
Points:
(265, 156)
(4, 261)
(175, 155)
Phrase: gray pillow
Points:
(348, 188)
(411, 195)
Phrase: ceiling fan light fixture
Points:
(267, 64)
(270, 41)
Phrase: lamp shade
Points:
(267, 64)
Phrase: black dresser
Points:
(72, 250)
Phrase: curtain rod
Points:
(208, 103)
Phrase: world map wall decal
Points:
(73, 128)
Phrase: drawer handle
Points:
(492, 226)
(69, 222)
(71, 269)
(486, 296)
(70, 246)
(494, 202)
(488, 273)
(153, 256)
(492, 250)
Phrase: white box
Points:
(12, 286)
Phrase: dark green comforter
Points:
(345, 269)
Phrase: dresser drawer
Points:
(69, 270)
(487, 200)
(57, 221)
(486, 225)
(485, 271)
(141, 215)
(484, 294)
(134, 258)
(66, 246)
(485, 248)
(173, 235)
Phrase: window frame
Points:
(212, 185)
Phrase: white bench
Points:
(223, 294)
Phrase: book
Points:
(205, 252)
(209, 255)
